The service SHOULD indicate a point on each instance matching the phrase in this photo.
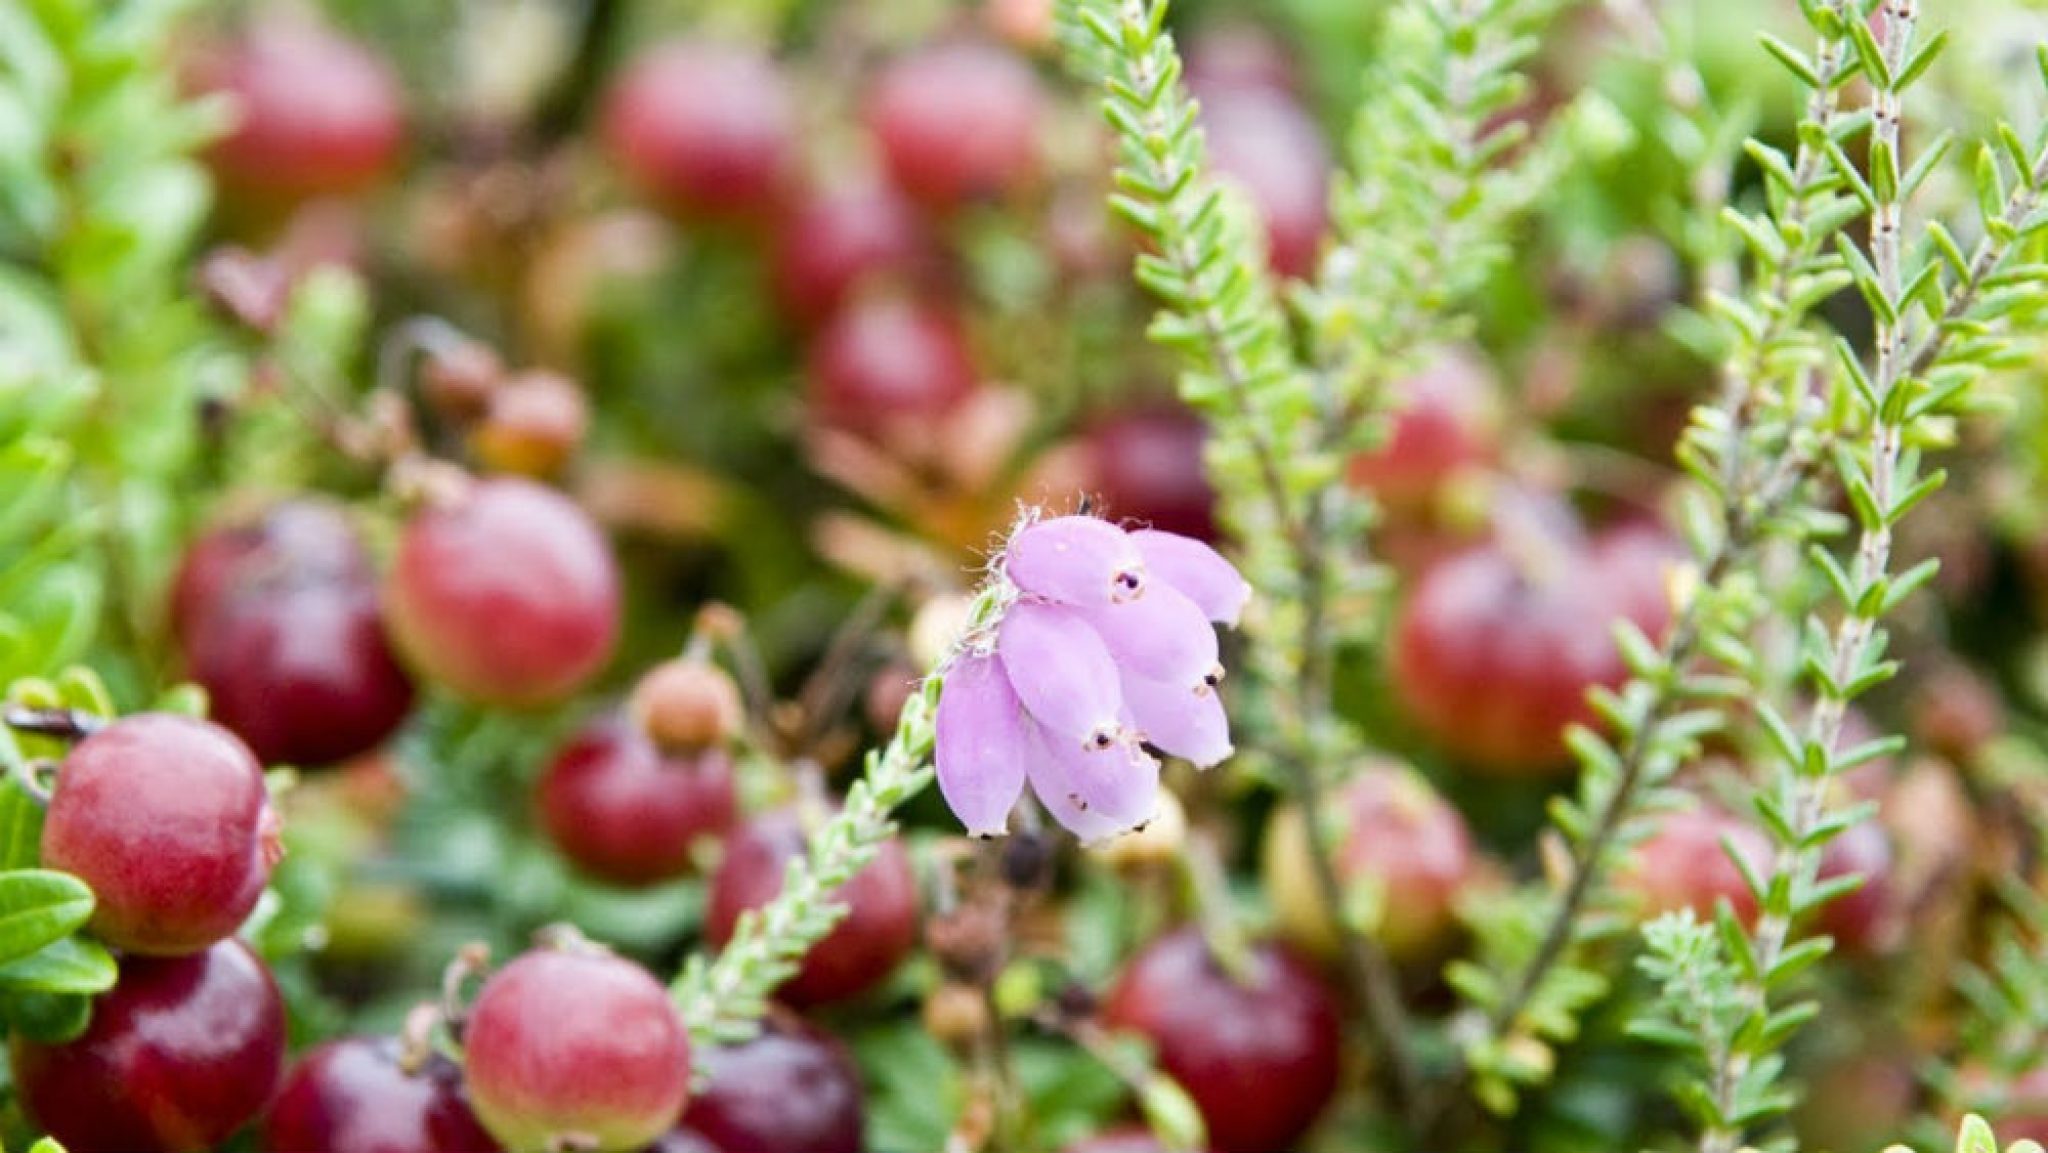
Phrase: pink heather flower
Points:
(1109, 647)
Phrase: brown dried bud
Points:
(684, 705)
(459, 378)
(969, 942)
(956, 1014)
(248, 289)
(535, 422)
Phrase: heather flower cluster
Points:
(1108, 648)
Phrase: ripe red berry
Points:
(1238, 54)
(841, 238)
(168, 821)
(1146, 465)
(958, 122)
(307, 540)
(1446, 420)
(568, 1045)
(505, 593)
(1493, 654)
(1871, 919)
(302, 671)
(707, 127)
(1265, 142)
(318, 113)
(878, 931)
(1683, 865)
(354, 1096)
(1402, 852)
(625, 813)
(1258, 1054)
(180, 1054)
(792, 1089)
(886, 362)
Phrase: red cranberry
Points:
(572, 1045)
(1146, 464)
(1446, 420)
(1238, 54)
(708, 127)
(1683, 865)
(1871, 919)
(167, 819)
(878, 931)
(626, 814)
(506, 593)
(1274, 150)
(353, 1096)
(319, 114)
(304, 540)
(885, 361)
(683, 1140)
(180, 1054)
(302, 671)
(792, 1089)
(1258, 1054)
(1401, 841)
(1493, 656)
(839, 239)
(2017, 1105)
(958, 122)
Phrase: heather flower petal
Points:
(982, 745)
(1062, 672)
(1186, 721)
(1161, 635)
(1075, 560)
(1095, 793)
(1198, 571)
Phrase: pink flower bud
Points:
(1186, 721)
(1198, 571)
(1161, 635)
(1095, 793)
(1075, 560)
(1063, 673)
(982, 745)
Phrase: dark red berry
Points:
(792, 1089)
(840, 239)
(167, 819)
(505, 593)
(1494, 652)
(1684, 865)
(1270, 146)
(302, 671)
(958, 122)
(625, 813)
(354, 1096)
(180, 1054)
(302, 540)
(1146, 465)
(878, 931)
(318, 114)
(707, 127)
(1446, 420)
(885, 362)
(569, 1045)
(1258, 1053)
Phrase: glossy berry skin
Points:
(302, 671)
(877, 933)
(843, 238)
(1401, 848)
(180, 1054)
(302, 541)
(1446, 420)
(792, 1089)
(1146, 466)
(626, 814)
(1493, 655)
(885, 363)
(1683, 865)
(506, 593)
(1259, 1057)
(707, 127)
(958, 122)
(1269, 145)
(352, 1096)
(167, 819)
(319, 114)
(575, 1044)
